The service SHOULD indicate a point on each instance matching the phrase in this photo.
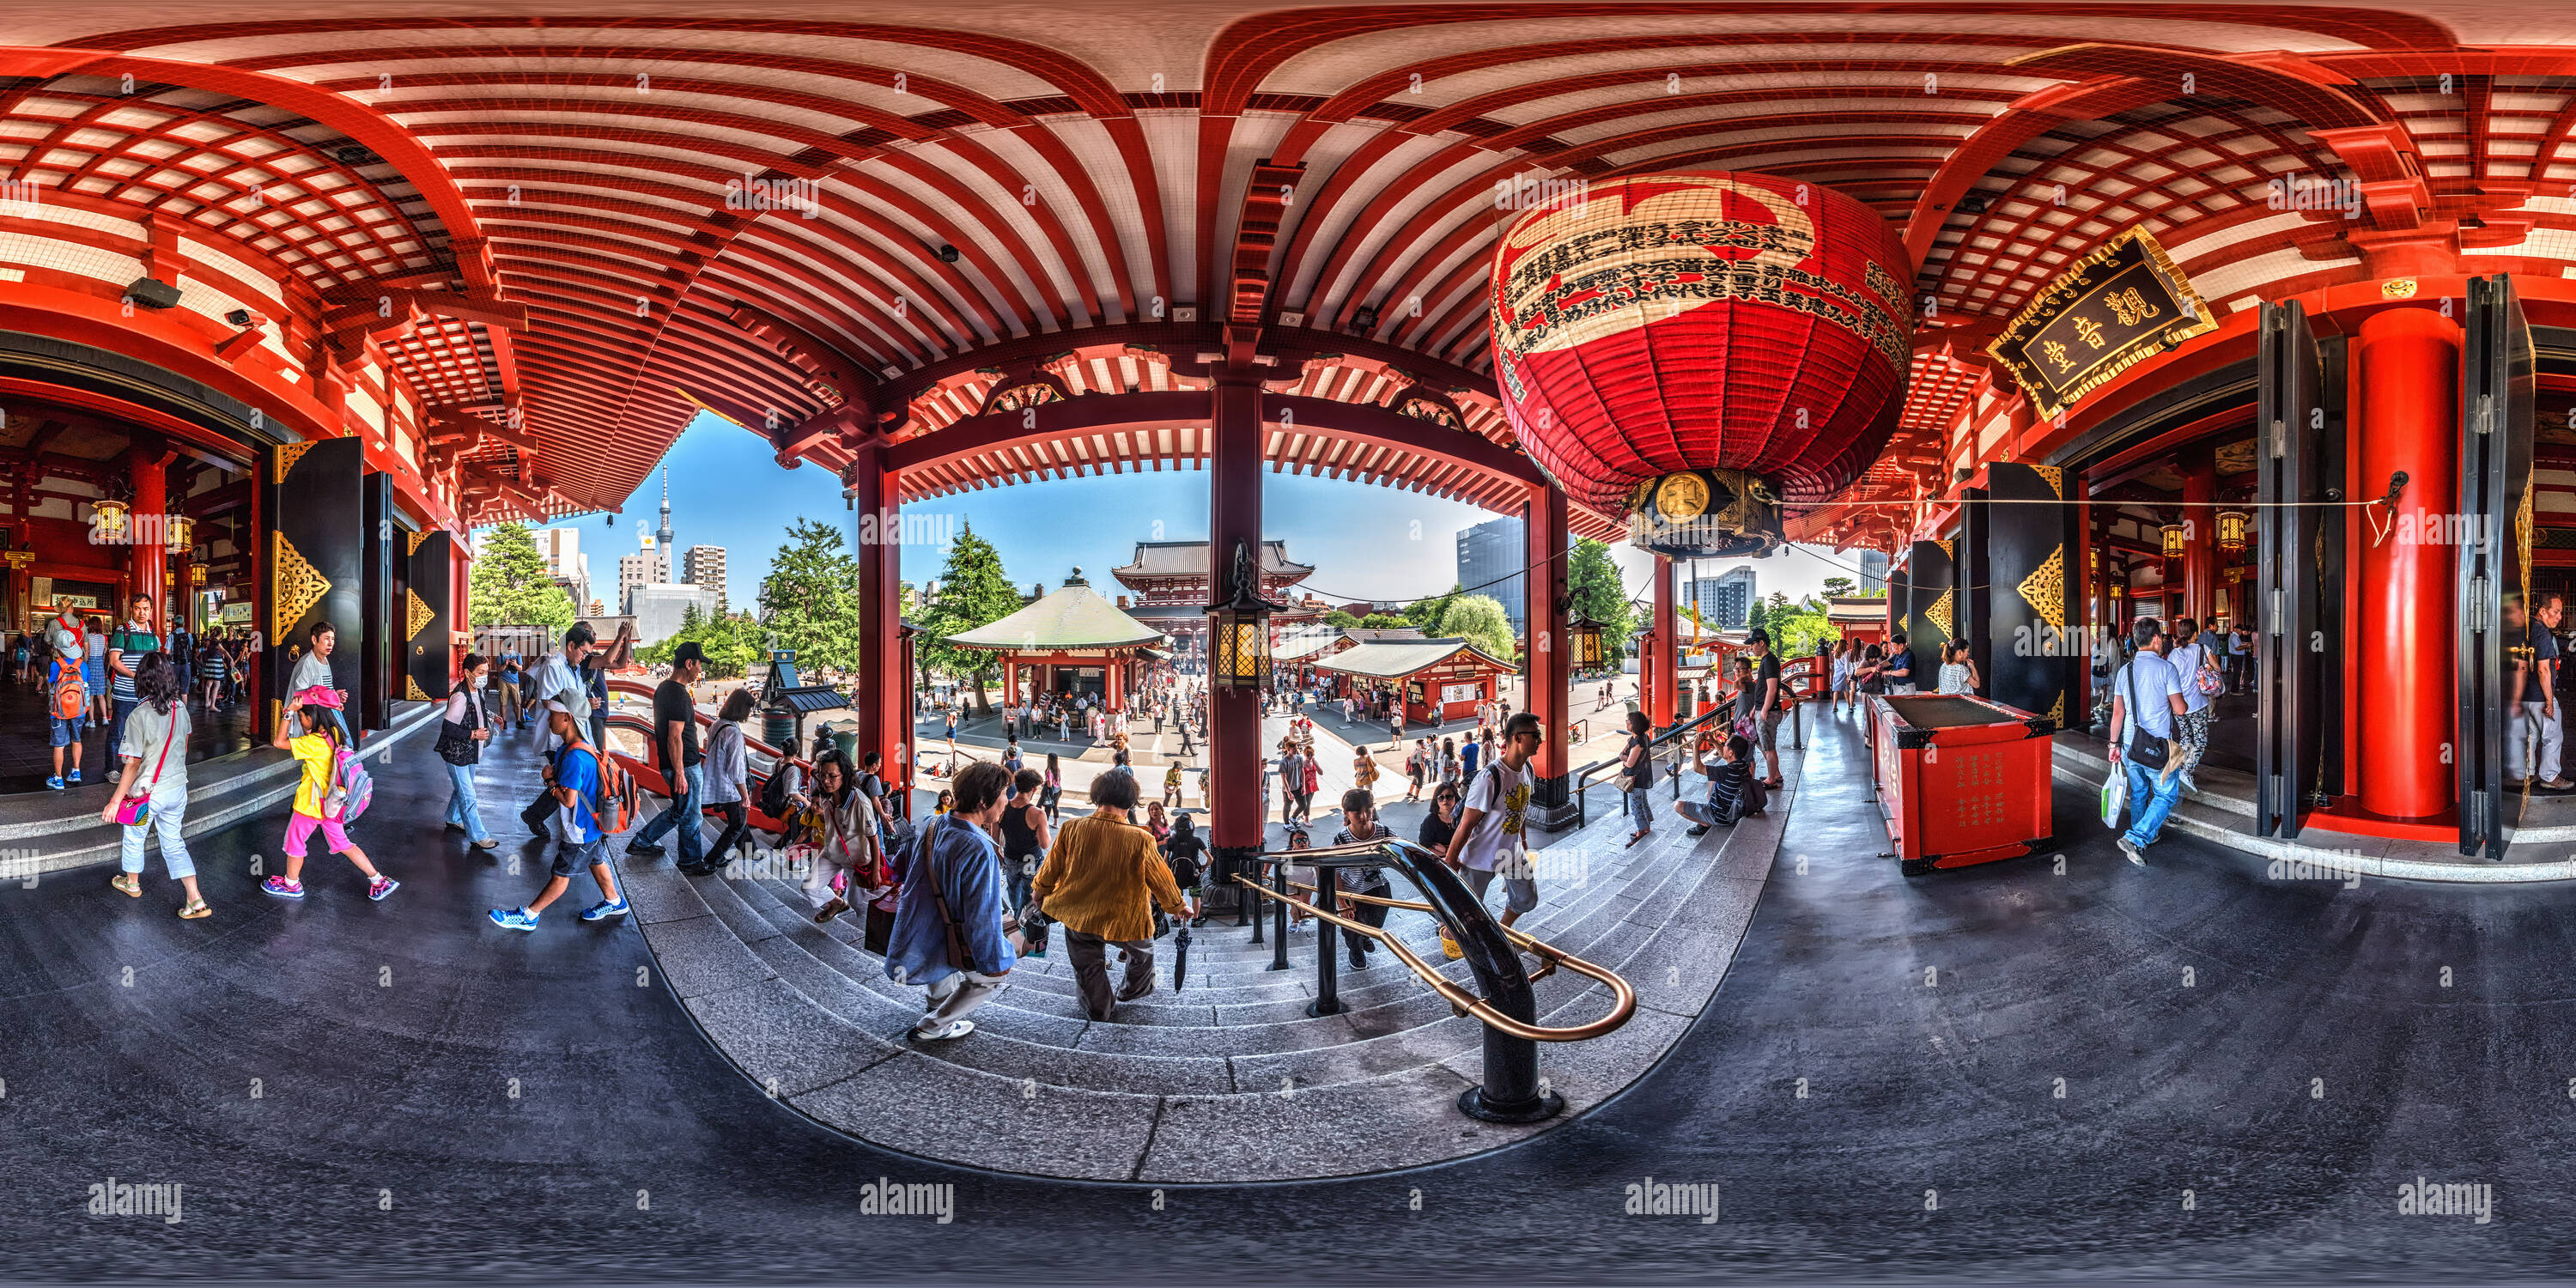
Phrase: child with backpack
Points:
(331, 791)
(594, 800)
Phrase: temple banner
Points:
(2117, 307)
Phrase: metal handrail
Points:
(1402, 855)
(1579, 782)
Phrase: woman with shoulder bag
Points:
(1025, 840)
(1637, 773)
(460, 743)
(2197, 670)
(158, 803)
(728, 774)
(849, 841)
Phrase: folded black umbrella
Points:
(1180, 956)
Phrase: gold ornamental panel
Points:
(295, 585)
(1939, 616)
(411, 691)
(413, 551)
(2045, 588)
(287, 456)
(418, 612)
(1949, 549)
(2056, 476)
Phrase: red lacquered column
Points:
(2401, 646)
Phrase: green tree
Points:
(1839, 585)
(810, 599)
(1426, 613)
(1758, 617)
(1383, 622)
(1340, 620)
(973, 592)
(509, 586)
(1601, 593)
(1795, 630)
(1480, 620)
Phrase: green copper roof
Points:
(1393, 659)
(1071, 617)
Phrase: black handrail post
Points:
(1328, 997)
(1511, 1091)
(1244, 899)
(1279, 928)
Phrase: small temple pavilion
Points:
(1069, 641)
(1438, 680)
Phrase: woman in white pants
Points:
(155, 756)
(850, 841)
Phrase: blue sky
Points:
(1366, 541)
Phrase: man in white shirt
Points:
(2148, 691)
(1492, 837)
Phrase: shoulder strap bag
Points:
(135, 810)
(955, 936)
(2145, 750)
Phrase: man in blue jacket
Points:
(956, 857)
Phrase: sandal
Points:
(195, 908)
(126, 884)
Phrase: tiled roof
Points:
(1399, 658)
(1190, 559)
(1071, 617)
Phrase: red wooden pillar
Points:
(2200, 518)
(145, 559)
(2409, 369)
(1547, 594)
(1234, 515)
(884, 689)
(1666, 658)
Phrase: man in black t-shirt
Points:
(1766, 681)
(675, 753)
(2533, 718)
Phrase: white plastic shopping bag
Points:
(2115, 794)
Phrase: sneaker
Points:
(1449, 947)
(456, 827)
(514, 919)
(486, 843)
(2130, 848)
(382, 886)
(55, 782)
(946, 1032)
(640, 850)
(603, 910)
(283, 888)
(72, 777)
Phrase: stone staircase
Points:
(1229, 1079)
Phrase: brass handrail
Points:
(1623, 996)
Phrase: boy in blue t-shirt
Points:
(1899, 671)
(584, 845)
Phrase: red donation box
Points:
(1960, 780)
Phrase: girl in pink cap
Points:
(316, 748)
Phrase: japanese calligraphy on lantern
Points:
(2108, 312)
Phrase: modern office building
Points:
(1729, 606)
(1873, 571)
(659, 607)
(565, 561)
(633, 571)
(705, 566)
(1496, 550)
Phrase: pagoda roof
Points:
(1069, 617)
(1394, 659)
(1190, 559)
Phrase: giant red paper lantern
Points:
(1699, 349)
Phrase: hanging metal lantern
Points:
(2118, 591)
(108, 520)
(1584, 635)
(178, 533)
(2231, 531)
(2175, 537)
(196, 574)
(1239, 627)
